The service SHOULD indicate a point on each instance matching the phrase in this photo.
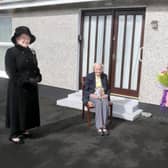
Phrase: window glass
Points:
(5, 36)
(5, 29)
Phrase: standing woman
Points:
(22, 97)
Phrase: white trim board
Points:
(38, 3)
(6, 44)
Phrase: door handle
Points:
(79, 37)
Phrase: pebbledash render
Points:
(60, 32)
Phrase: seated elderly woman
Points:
(97, 94)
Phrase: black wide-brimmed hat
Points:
(22, 30)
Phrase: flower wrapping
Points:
(163, 80)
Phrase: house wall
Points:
(57, 45)
(155, 56)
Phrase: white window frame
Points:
(4, 44)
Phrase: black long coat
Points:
(22, 97)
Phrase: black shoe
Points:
(16, 140)
(106, 131)
(26, 135)
(100, 132)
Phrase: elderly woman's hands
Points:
(104, 96)
(94, 96)
(90, 104)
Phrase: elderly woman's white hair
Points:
(95, 64)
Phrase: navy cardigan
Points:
(90, 84)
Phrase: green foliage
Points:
(163, 79)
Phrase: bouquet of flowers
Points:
(163, 80)
(99, 92)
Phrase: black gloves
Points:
(35, 80)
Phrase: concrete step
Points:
(127, 116)
(75, 96)
(70, 103)
(123, 108)
(121, 104)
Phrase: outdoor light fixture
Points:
(154, 24)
